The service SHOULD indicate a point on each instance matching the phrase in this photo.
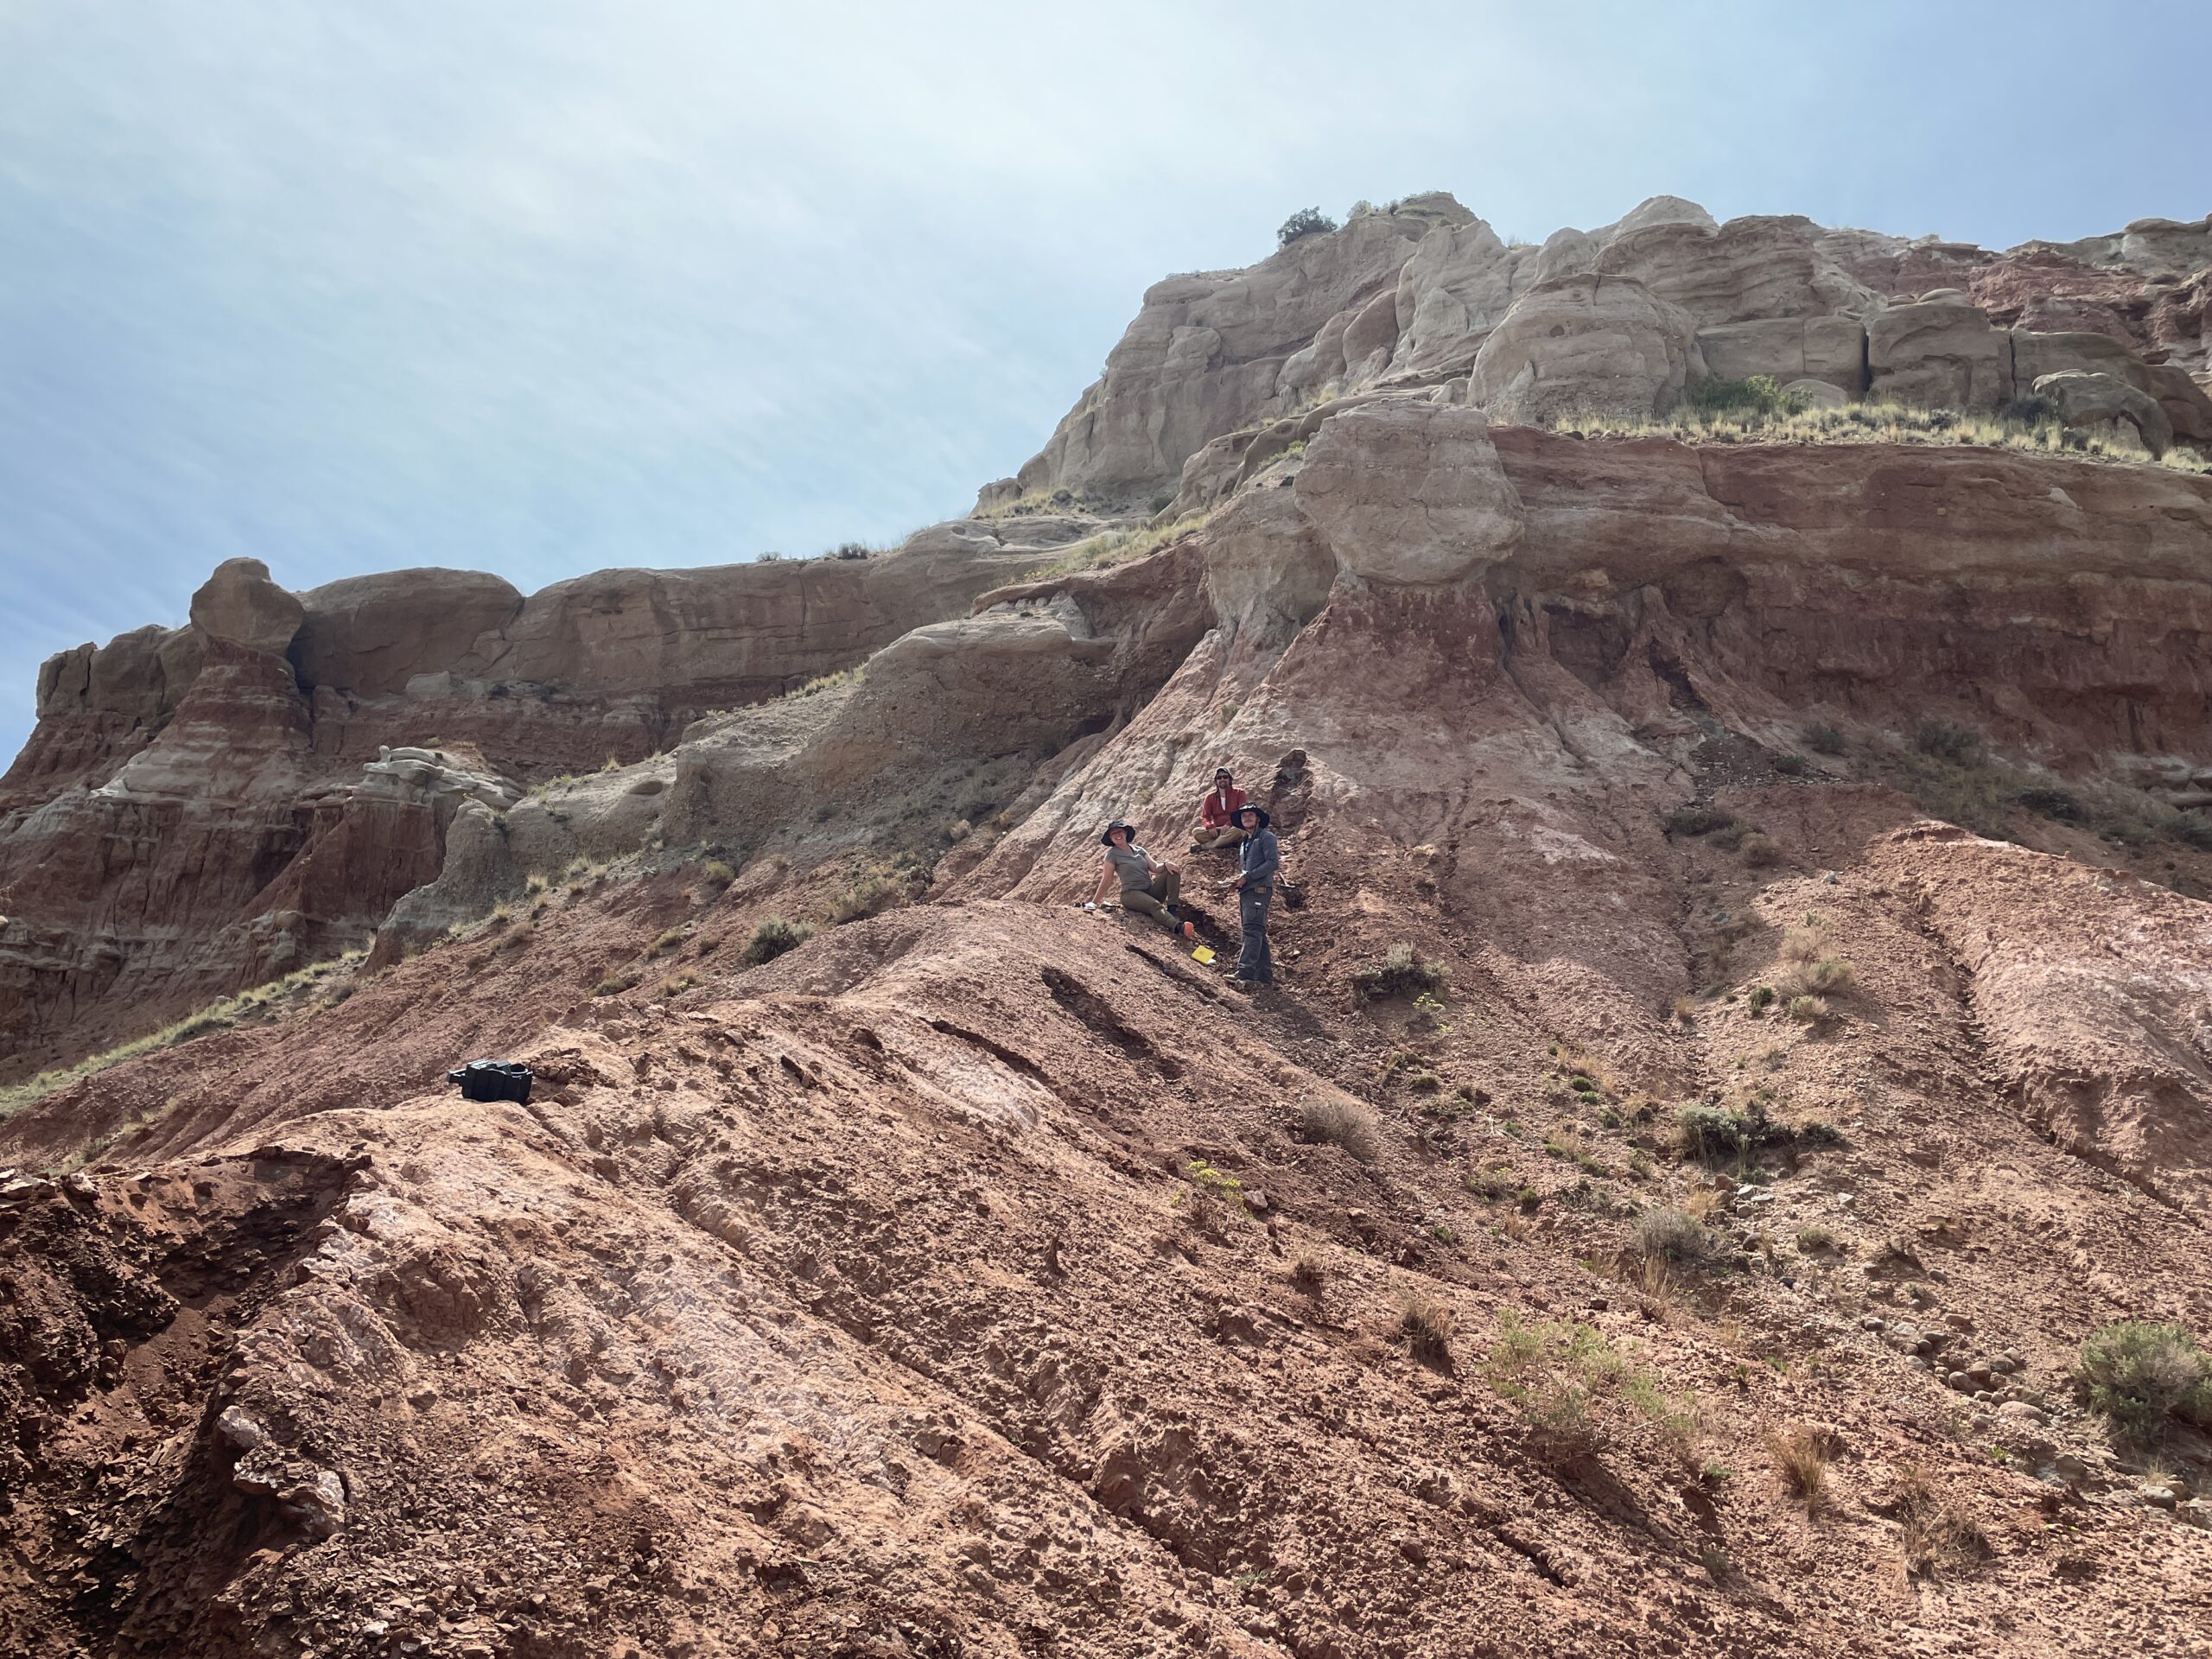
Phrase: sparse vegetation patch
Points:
(1403, 971)
(772, 936)
(2145, 1379)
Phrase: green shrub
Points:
(1761, 998)
(2145, 1378)
(1758, 394)
(1490, 1183)
(1560, 1374)
(772, 936)
(873, 895)
(1697, 819)
(1706, 1130)
(1814, 1241)
(1306, 221)
(1824, 739)
(1403, 971)
(716, 873)
(1944, 742)
(1827, 976)
(2051, 803)
(1792, 765)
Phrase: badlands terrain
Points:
(1737, 702)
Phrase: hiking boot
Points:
(1190, 930)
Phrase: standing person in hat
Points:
(1148, 887)
(1217, 830)
(1259, 860)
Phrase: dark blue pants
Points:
(1256, 962)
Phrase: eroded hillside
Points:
(1800, 1042)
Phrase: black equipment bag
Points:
(493, 1080)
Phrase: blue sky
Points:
(542, 288)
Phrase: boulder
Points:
(2189, 408)
(1586, 344)
(2101, 403)
(370, 635)
(241, 605)
(2035, 355)
(1832, 350)
(1937, 354)
(1409, 493)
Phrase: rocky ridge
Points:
(1425, 296)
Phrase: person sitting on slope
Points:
(1217, 830)
(1148, 887)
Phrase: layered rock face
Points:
(1618, 320)
(975, 1277)
(201, 808)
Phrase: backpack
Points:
(493, 1080)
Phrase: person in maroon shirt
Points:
(1218, 827)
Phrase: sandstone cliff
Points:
(203, 807)
(1621, 319)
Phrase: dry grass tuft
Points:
(1935, 1538)
(1802, 1458)
(1329, 1114)
(1309, 1273)
(1654, 1289)
(1670, 1236)
(1805, 941)
(1426, 1323)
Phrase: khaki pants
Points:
(1167, 889)
(1214, 841)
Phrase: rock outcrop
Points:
(1925, 323)
(202, 809)
(2103, 404)
(1207, 352)
(1586, 344)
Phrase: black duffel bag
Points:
(493, 1080)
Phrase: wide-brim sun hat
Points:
(1248, 807)
(1107, 840)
